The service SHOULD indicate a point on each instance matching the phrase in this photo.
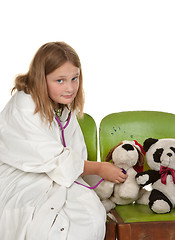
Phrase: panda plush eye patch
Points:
(173, 149)
(158, 154)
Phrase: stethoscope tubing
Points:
(64, 144)
(63, 127)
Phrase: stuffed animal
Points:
(160, 156)
(129, 156)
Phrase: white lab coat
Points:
(38, 196)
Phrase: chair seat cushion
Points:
(142, 213)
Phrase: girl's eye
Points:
(75, 78)
(60, 81)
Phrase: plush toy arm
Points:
(147, 177)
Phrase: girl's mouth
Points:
(68, 96)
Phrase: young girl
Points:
(38, 166)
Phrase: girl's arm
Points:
(105, 170)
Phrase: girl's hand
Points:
(110, 172)
(105, 170)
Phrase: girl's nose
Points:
(69, 87)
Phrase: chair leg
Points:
(110, 230)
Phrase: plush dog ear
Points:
(141, 159)
(109, 156)
(148, 143)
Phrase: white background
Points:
(127, 48)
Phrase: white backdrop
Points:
(127, 48)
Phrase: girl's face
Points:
(63, 83)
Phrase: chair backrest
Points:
(89, 129)
(134, 125)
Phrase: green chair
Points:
(134, 221)
(89, 129)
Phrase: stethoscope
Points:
(63, 127)
(64, 144)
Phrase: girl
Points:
(38, 196)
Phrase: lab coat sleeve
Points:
(68, 171)
(30, 145)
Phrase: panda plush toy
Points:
(160, 156)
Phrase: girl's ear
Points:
(109, 156)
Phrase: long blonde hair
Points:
(49, 57)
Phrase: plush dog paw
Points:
(108, 204)
(143, 197)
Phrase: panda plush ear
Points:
(148, 143)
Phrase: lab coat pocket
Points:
(60, 227)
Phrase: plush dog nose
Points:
(169, 154)
(128, 147)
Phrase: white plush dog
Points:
(129, 156)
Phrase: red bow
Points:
(164, 172)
